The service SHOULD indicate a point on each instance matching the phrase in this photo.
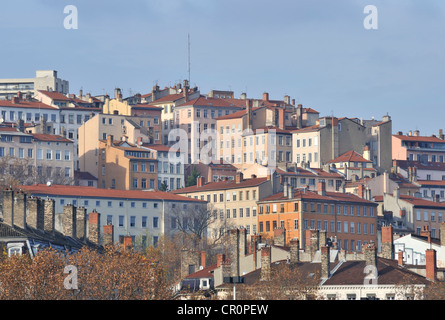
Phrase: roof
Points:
(388, 271)
(92, 192)
(314, 172)
(309, 110)
(157, 147)
(26, 104)
(350, 156)
(311, 195)
(223, 185)
(209, 102)
(55, 95)
(50, 138)
(169, 98)
(420, 202)
(147, 106)
(405, 164)
(418, 138)
(435, 183)
(315, 127)
(83, 175)
(206, 272)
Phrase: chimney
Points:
(441, 135)
(416, 133)
(299, 123)
(108, 234)
(219, 259)
(322, 188)
(49, 215)
(81, 223)
(387, 242)
(290, 193)
(371, 255)
(69, 220)
(400, 258)
(396, 193)
(203, 259)
(442, 233)
(360, 191)
(265, 264)
(294, 250)
(325, 262)
(189, 261)
(109, 140)
(281, 118)
(200, 181)
(34, 214)
(127, 242)
(265, 96)
(431, 264)
(322, 238)
(425, 232)
(314, 242)
(20, 209)
(94, 227)
(249, 114)
(279, 237)
(8, 207)
(239, 177)
(285, 189)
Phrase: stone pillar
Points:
(69, 221)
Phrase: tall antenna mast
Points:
(188, 48)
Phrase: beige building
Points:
(99, 127)
(235, 200)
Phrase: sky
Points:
(316, 51)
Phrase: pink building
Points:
(413, 146)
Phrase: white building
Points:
(144, 215)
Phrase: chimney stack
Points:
(200, 181)
(400, 258)
(294, 250)
(265, 96)
(8, 207)
(325, 262)
(81, 223)
(279, 238)
(108, 234)
(203, 259)
(49, 215)
(426, 232)
(239, 177)
(69, 221)
(128, 242)
(431, 267)
(371, 255)
(34, 214)
(20, 209)
(94, 227)
(265, 264)
(387, 242)
(322, 188)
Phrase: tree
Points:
(191, 178)
(163, 186)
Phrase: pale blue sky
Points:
(318, 52)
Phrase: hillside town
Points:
(254, 190)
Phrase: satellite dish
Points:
(49, 184)
(1, 120)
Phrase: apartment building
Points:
(44, 80)
(143, 215)
(198, 118)
(349, 220)
(354, 166)
(235, 201)
(215, 170)
(414, 147)
(170, 171)
(126, 166)
(99, 127)
(48, 157)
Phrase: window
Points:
(144, 222)
(155, 222)
(121, 221)
(132, 221)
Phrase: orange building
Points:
(348, 220)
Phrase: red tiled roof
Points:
(80, 191)
(303, 172)
(419, 138)
(419, 202)
(404, 164)
(350, 156)
(315, 127)
(157, 147)
(311, 195)
(222, 185)
(54, 95)
(206, 272)
(50, 137)
(309, 110)
(26, 104)
(431, 182)
(145, 106)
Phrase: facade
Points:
(48, 157)
(349, 220)
(354, 166)
(99, 127)
(143, 215)
(414, 147)
(235, 201)
(126, 166)
(44, 80)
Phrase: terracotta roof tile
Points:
(350, 156)
(222, 185)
